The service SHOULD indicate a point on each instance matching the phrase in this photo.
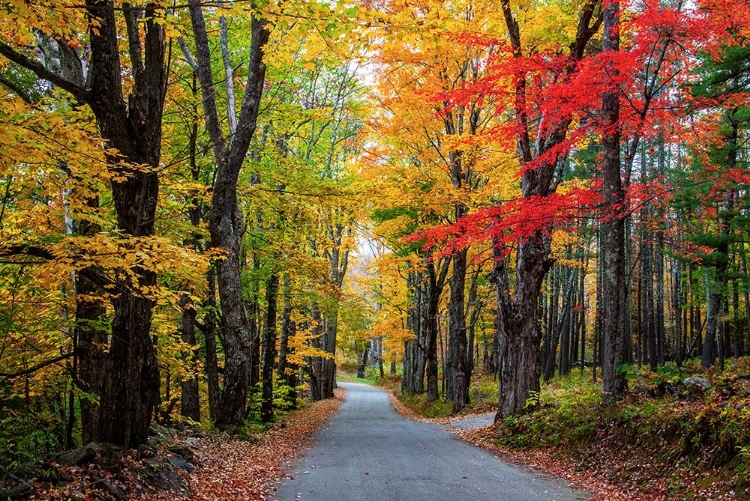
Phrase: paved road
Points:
(369, 452)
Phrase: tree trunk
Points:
(677, 309)
(287, 373)
(456, 360)
(209, 334)
(190, 403)
(269, 348)
(90, 338)
(225, 221)
(363, 363)
(519, 331)
(436, 282)
(716, 285)
(613, 290)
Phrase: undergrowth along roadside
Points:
(223, 467)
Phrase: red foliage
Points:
(660, 49)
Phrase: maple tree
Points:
(132, 130)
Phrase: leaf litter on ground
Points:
(225, 467)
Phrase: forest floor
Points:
(222, 467)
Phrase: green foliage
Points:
(668, 374)
(281, 405)
(419, 405)
(563, 416)
(484, 394)
(27, 436)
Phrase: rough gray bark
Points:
(190, 403)
(209, 333)
(269, 348)
(363, 362)
(520, 331)
(287, 371)
(613, 287)
(225, 221)
(286, 319)
(436, 283)
(456, 363)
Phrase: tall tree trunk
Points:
(456, 360)
(361, 371)
(315, 364)
(519, 329)
(269, 348)
(225, 221)
(613, 290)
(90, 338)
(677, 309)
(190, 401)
(435, 282)
(475, 306)
(413, 347)
(189, 404)
(209, 334)
(287, 372)
(716, 284)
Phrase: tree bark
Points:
(456, 363)
(225, 221)
(269, 348)
(287, 372)
(436, 282)
(190, 403)
(209, 334)
(613, 287)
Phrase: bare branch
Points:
(25, 250)
(34, 368)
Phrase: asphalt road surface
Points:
(370, 452)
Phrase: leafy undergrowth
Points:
(225, 467)
(483, 399)
(667, 440)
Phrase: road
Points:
(370, 452)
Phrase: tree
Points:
(226, 225)
(613, 248)
(132, 129)
(519, 329)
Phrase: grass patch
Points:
(419, 405)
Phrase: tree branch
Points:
(134, 39)
(34, 368)
(229, 75)
(26, 250)
(78, 92)
(16, 89)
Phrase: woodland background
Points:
(207, 207)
